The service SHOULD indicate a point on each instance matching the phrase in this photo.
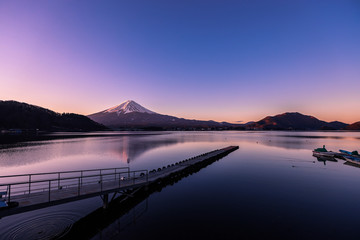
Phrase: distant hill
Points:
(295, 121)
(16, 115)
(335, 125)
(130, 114)
(354, 126)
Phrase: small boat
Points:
(323, 153)
(352, 157)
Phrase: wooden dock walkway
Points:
(48, 189)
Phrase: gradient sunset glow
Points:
(220, 60)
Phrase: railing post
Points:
(59, 180)
(29, 183)
(101, 183)
(49, 189)
(105, 201)
(134, 178)
(115, 173)
(9, 194)
(119, 179)
(79, 187)
(81, 176)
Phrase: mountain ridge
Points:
(18, 115)
(295, 121)
(130, 114)
(353, 126)
(145, 118)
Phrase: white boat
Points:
(324, 154)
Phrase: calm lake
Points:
(271, 187)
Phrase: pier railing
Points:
(56, 185)
(44, 175)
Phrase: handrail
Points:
(19, 189)
(24, 188)
(73, 171)
(67, 178)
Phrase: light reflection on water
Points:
(271, 185)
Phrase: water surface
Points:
(270, 187)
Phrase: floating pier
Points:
(34, 191)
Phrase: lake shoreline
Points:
(11, 139)
(45, 136)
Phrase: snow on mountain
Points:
(128, 107)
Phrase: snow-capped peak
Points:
(128, 107)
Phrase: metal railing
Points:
(44, 175)
(74, 183)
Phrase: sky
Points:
(234, 61)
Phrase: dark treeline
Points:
(16, 115)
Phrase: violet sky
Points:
(221, 60)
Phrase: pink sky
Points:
(223, 62)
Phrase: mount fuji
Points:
(128, 107)
(130, 115)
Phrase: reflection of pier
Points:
(47, 190)
(126, 220)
